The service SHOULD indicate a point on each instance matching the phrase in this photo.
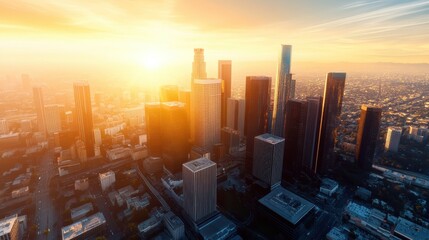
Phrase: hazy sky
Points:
(162, 32)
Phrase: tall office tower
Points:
(312, 123)
(26, 81)
(258, 89)
(53, 118)
(82, 98)
(393, 138)
(235, 114)
(207, 108)
(4, 128)
(230, 138)
(175, 135)
(198, 72)
(199, 65)
(369, 126)
(331, 111)
(292, 88)
(169, 93)
(296, 115)
(199, 188)
(153, 128)
(282, 90)
(268, 159)
(40, 108)
(224, 73)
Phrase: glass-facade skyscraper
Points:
(282, 90)
(331, 111)
(83, 107)
(369, 126)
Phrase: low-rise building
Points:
(24, 191)
(174, 225)
(86, 228)
(107, 179)
(81, 184)
(149, 226)
(328, 186)
(81, 211)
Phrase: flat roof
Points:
(173, 220)
(218, 227)
(270, 138)
(173, 104)
(107, 174)
(287, 204)
(78, 228)
(328, 184)
(411, 230)
(6, 224)
(199, 164)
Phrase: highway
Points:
(46, 216)
(152, 189)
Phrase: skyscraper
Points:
(258, 90)
(292, 88)
(53, 118)
(282, 90)
(169, 93)
(207, 109)
(198, 72)
(224, 73)
(268, 159)
(199, 65)
(40, 108)
(235, 114)
(153, 128)
(175, 135)
(332, 103)
(393, 138)
(296, 115)
(83, 108)
(312, 123)
(199, 188)
(369, 125)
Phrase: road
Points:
(152, 189)
(46, 215)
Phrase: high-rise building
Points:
(4, 128)
(82, 98)
(393, 138)
(175, 135)
(40, 108)
(296, 115)
(207, 108)
(153, 128)
(282, 90)
(230, 139)
(53, 118)
(367, 136)
(224, 74)
(268, 159)
(235, 114)
(258, 91)
(199, 188)
(169, 93)
(199, 65)
(292, 88)
(330, 119)
(312, 123)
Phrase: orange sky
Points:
(151, 33)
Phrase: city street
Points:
(46, 216)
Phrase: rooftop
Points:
(411, 230)
(173, 104)
(328, 184)
(287, 204)
(6, 224)
(218, 227)
(198, 164)
(78, 228)
(270, 138)
(148, 224)
(173, 220)
(107, 174)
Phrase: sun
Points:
(151, 60)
